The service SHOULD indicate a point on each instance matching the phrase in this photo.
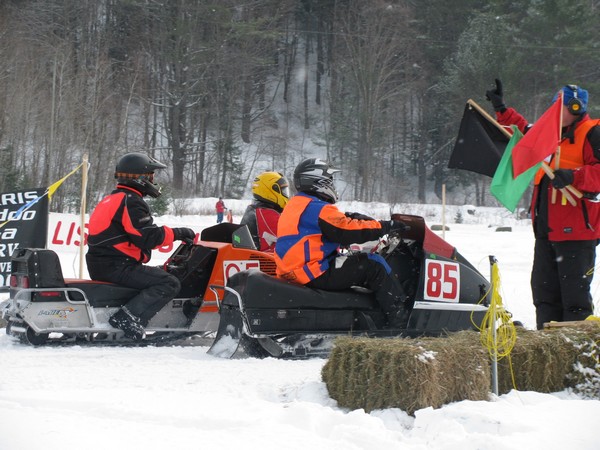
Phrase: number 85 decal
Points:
(442, 281)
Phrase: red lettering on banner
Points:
(70, 233)
(56, 231)
(73, 232)
(77, 242)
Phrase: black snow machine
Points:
(43, 307)
(264, 316)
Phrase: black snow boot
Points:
(130, 324)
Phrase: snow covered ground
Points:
(179, 397)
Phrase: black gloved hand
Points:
(562, 178)
(358, 216)
(389, 226)
(496, 97)
(184, 234)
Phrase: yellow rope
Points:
(500, 319)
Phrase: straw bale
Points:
(412, 374)
(407, 373)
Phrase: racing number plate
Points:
(442, 281)
(232, 267)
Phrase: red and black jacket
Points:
(261, 219)
(121, 228)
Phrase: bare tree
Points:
(372, 66)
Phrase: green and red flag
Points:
(507, 188)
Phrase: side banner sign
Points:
(23, 223)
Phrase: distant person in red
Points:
(220, 208)
(122, 235)
(271, 193)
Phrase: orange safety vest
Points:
(571, 154)
(302, 251)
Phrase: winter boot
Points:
(130, 324)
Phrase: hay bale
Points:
(407, 373)
(585, 377)
(539, 362)
(412, 374)
(553, 360)
(436, 227)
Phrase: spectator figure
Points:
(220, 208)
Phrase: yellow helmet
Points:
(271, 187)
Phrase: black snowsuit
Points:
(121, 237)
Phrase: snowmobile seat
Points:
(41, 266)
(101, 294)
(42, 269)
(261, 290)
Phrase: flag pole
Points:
(569, 187)
(564, 191)
(84, 174)
(492, 120)
(557, 153)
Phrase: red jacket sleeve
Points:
(511, 117)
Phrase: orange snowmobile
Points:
(44, 307)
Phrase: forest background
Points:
(220, 90)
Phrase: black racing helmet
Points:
(136, 170)
(315, 176)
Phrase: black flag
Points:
(480, 143)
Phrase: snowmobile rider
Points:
(309, 235)
(566, 236)
(121, 238)
(271, 193)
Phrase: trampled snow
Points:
(90, 398)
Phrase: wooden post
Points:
(84, 174)
(444, 211)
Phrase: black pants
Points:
(363, 269)
(156, 286)
(560, 280)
